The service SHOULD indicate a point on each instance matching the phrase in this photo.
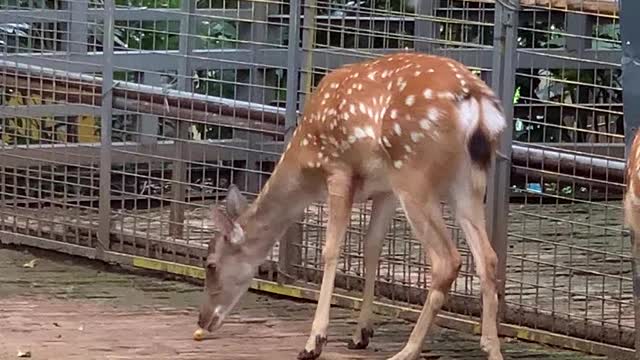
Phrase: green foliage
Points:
(215, 83)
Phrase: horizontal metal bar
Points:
(34, 15)
(221, 59)
(36, 111)
(76, 154)
(121, 14)
(84, 89)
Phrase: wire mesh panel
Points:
(338, 33)
(196, 95)
(200, 96)
(569, 265)
(48, 116)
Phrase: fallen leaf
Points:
(31, 264)
(24, 354)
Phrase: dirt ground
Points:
(66, 308)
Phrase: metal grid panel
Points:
(48, 166)
(569, 264)
(220, 128)
(183, 126)
(362, 31)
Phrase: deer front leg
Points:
(339, 206)
(382, 211)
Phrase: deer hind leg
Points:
(429, 228)
(467, 198)
(383, 208)
(340, 201)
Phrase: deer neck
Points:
(280, 203)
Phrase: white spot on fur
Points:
(397, 129)
(304, 142)
(386, 142)
(446, 95)
(408, 148)
(359, 133)
(363, 108)
(397, 164)
(369, 131)
(351, 139)
(352, 109)
(428, 94)
(492, 118)
(410, 100)
(425, 124)
(416, 136)
(382, 113)
(394, 114)
(433, 114)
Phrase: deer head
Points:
(229, 267)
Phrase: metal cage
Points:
(122, 122)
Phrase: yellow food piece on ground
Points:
(198, 335)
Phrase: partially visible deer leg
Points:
(469, 209)
(445, 263)
(339, 206)
(383, 208)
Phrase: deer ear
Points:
(221, 220)
(236, 202)
(231, 231)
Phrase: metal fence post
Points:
(630, 34)
(503, 82)
(106, 121)
(289, 252)
(179, 167)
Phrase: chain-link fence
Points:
(122, 123)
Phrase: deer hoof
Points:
(365, 335)
(315, 353)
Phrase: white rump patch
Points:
(468, 115)
(492, 118)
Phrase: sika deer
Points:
(407, 127)
(632, 196)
